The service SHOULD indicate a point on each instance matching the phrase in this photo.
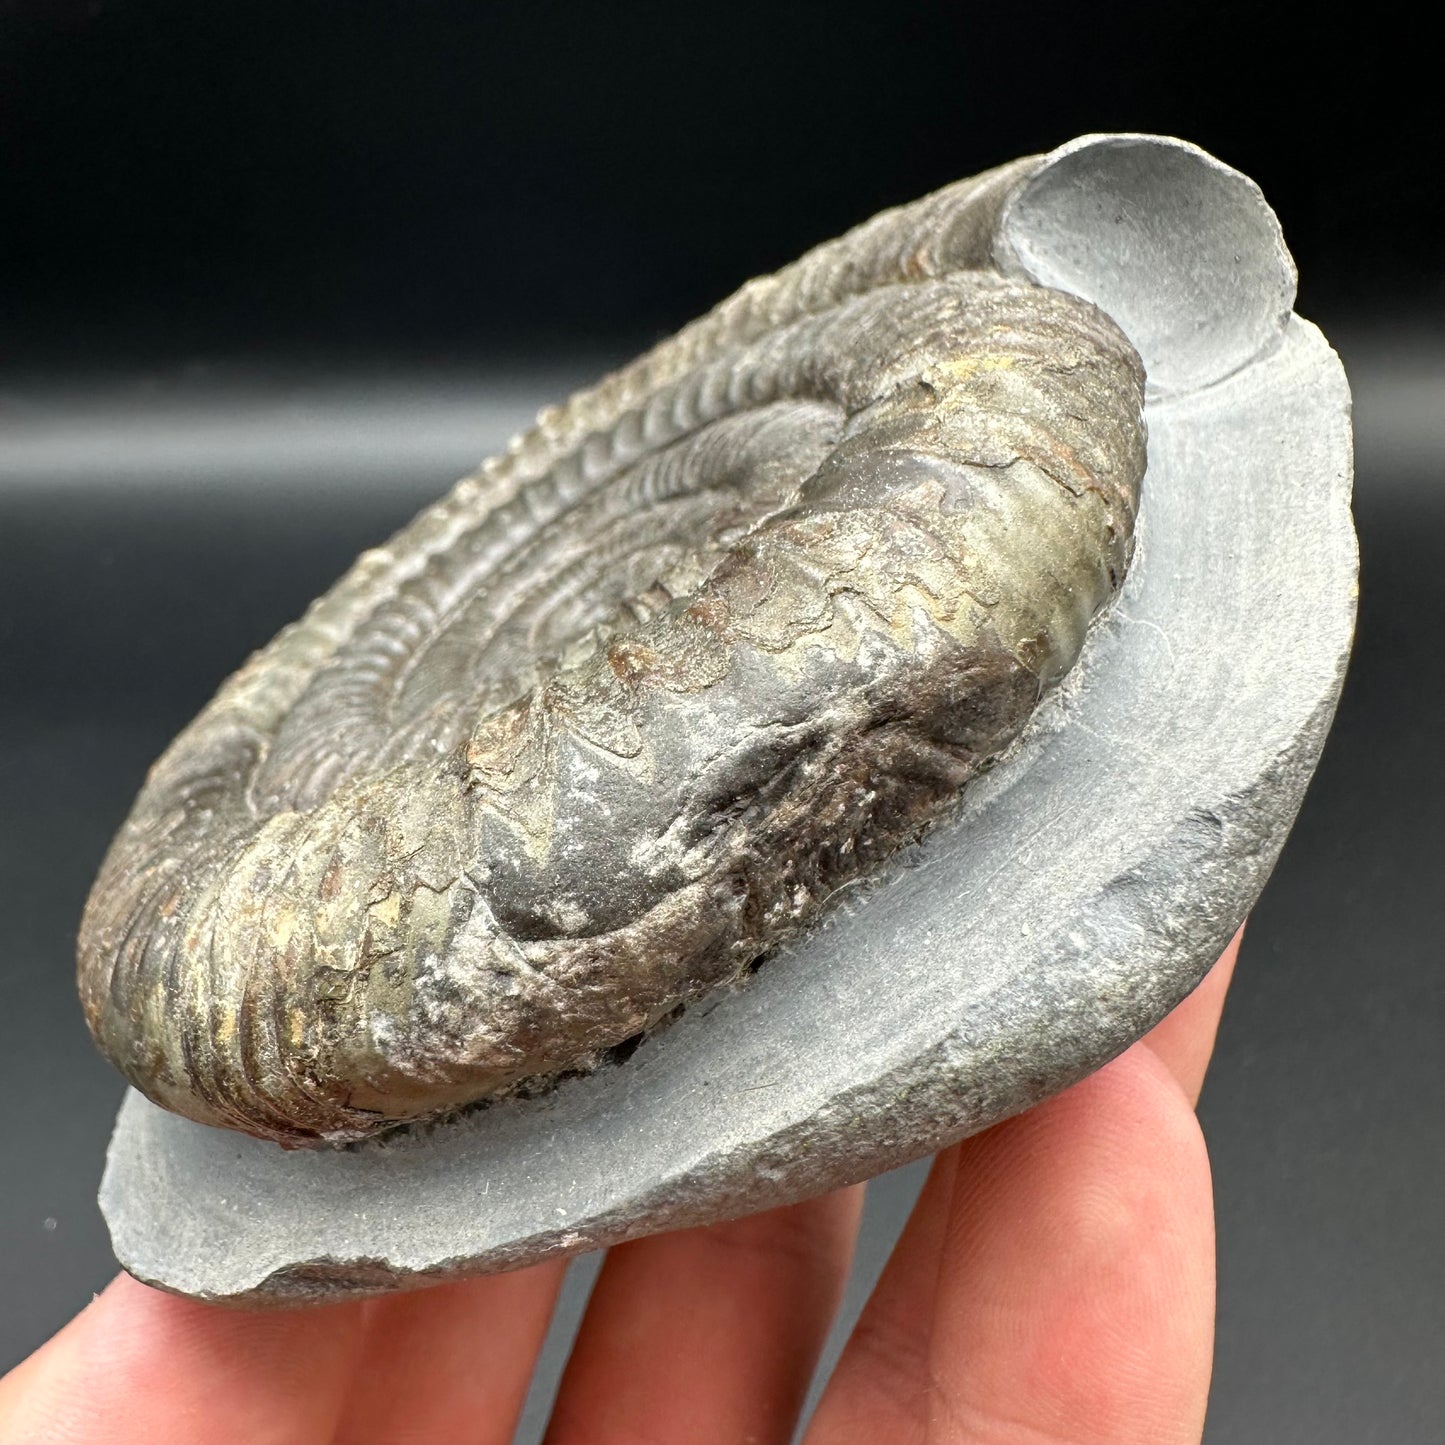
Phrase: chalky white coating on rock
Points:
(1086, 886)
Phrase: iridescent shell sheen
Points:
(613, 719)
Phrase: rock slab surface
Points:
(1085, 887)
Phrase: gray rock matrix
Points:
(1082, 888)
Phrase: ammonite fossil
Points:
(622, 712)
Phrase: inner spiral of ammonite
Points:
(617, 717)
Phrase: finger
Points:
(1077, 1294)
(880, 1389)
(1185, 1039)
(709, 1334)
(450, 1365)
(1074, 1302)
(882, 1384)
(139, 1367)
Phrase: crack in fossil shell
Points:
(614, 718)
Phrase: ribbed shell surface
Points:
(619, 714)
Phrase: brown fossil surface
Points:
(615, 717)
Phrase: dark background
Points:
(204, 183)
(271, 275)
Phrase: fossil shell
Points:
(617, 716)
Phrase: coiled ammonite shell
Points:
(617, 716)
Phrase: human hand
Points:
(1054, 1286)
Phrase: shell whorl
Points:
(616, 716)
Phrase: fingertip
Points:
(1184, 1039)
(451, 1362)
(1077, 1289)
(709, 1334)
